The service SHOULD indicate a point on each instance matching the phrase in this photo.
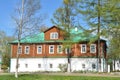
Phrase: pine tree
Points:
(112, 20)
(63, 18)
(103, 17)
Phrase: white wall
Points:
(33, 64)
(76, 64)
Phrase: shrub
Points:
(63, 67)
(4, 67)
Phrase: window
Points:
(39, 65)
(59, 48)
(83, 48)
(83, 66)
(51, 65)
(60, 65)
(67, 50)
(93, 66)
(26, 65)
(93, 48)
(39, 49)
(18, 65)
(54, 35)
(27, 49)
(20, 50)
(118, 65)
(51, 49)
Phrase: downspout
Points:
(45, 59)
(11, 55)
(33, 50)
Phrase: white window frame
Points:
(91, 51)
(59, 50)
(28, 50)
(20, 50)
(67, 49)
(54, 35)
(38, 49)
(82, 48)
(50, 49)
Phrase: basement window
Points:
(118, 65)
(18, 65)
(26, 65)
(83, 66)
(51, 65)
(93, 66)
(39, 65)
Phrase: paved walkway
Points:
(115, 74)
(86, 74)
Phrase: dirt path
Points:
(74, 74)
(86, 74)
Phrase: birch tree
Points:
(27, 20)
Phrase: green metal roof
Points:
(36, 38)
(79, 35)
(76, 36)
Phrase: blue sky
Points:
(7, 8)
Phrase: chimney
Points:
(76, 29)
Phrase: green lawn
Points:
(53, 77)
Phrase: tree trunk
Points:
(69, 60)
(16, 73)
(114, 65)
(68, 68)
(99, 55)
(19, 38)
(17, 60)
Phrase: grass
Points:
(54, 77)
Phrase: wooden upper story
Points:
(51, 44)
(54, 33)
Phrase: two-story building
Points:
(49, 50)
